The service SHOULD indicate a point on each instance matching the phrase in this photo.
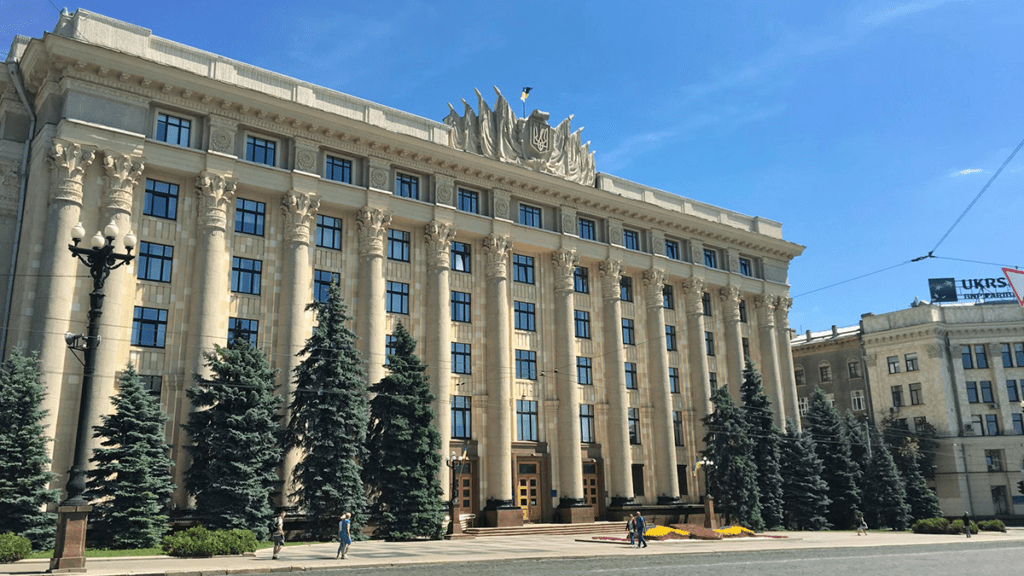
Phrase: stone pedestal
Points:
(503, 517)
(69, 548)
(575, 515)
(709, 513)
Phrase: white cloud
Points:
(967, 171)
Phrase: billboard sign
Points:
(968, 289)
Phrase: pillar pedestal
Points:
(69, 548)
(709, 513)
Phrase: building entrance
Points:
(591, 492)
(528, 491)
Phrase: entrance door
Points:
(528, 490)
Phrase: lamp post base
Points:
(69, 548)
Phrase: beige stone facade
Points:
(503, 240)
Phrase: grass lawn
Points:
(104, 553)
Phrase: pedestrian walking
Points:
(967, 523)
(641, 525)
(344, 535)
(631, 528)
(862, 525)
(278, 534)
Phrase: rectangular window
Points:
(522, 269)
(854, 369)
(173, 130)
(581, 280)
(460, 257)
(462, 417)
(894, 364)
(980, 357)
(526, 364)
(972, 392)
(1018, 424)
(857, 400)
(991, 425)
(390, 347)
(249, 216)
(745, 268)
(673, 380)
(398, 245)
(825, 372)
(339, 169)
(897, 396)
(668, 298)
(633, 415)
(626, 289)
(632, 382)
(584, 370)
(1018, 351)
(246, 275)
(677, 427)
(965, 357)
(978, 424)
(151, 384)
(682, 478)
(743, 311)
(710, 258)
(670, 338)
(529, 215)
(709, 343)
(920, 422)
(407, 186)
(322, 280)
(745, 342)
(587, 229)
(1007, 357)
(915, 394)
(911, 362)
(243, 329)
(805, 406)
(328, 232)
(628, 332)
(461, 358)
(582, 318)
(149, 327)
(526, 420)
(705, 303)
(986, 391)
(994, 460)
(260, 150)
(469, 201)
(587, 423)
(161, 199)
(1011, 391)
(713, 381)
(631, 240)
(154, 262)
(397, 297)
(460, 306)
(672, 249)
(525, 317)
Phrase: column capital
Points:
(654, 282)
(611, 276)
(782, 307)
(439, 236)
(693, 295)
(767, 304)
(122, 174)
(564, 261)
(68, 161)
(215, 192)
(496, 248)
(299, 210)
(372, 224)
(731, 296)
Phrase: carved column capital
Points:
(611, 278)
(497, 248)
(122, 174)
(299, 211)
(693, 295)
(68, 161)
(782, 307)
(372, 224)
(215, 193)
(564, 261)
(654, 283)
(439, 236)
(767, 304)
(731, 297)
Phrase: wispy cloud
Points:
(966, 172)
(886, 15)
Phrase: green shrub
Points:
(238, 541)
(14, 547)
(992, 526)
(932, 526)
(957, 527)
(198, 542)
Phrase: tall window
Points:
(587, 423)
(581, 280)
(260, 150)
(743, 311)
(915, 394)
(994, 460)
(461, 358)
(339, 169)
(972, 392)
(525, 318)
(322, 280)
(172, 129)
(460, 257)
(1018, 352)
(854, 368)
(626, 289)
(980, 357)
(713, 381)
(1018, 424)
(526, 420)
(709, 343)
(155, 262)
(407, 186)
(244, 329)
(986, 391)
(668, 297)
(672, 249)
(526, 364)
(246, 275)
(677, 427)
(587, 229)
(149, 327)
(631, 239)
(1007, 357)
(398, 245)
(857, 400)
(152, 384)
(825, 372)
(710, 258)
(462, 417)
(1011, 391)
(991, 425)
(397, 297)
(390, 347)
(161, 199)
(805, 405)
(469, 201)
(798, 373)
(911, 362)
(632, 383)
(584, 370)
(460, 306)
(529, 215)
(249, 216)
(633, 416)
(745, 268)
(894, 364)
(522, 269)
(745, 343)
(670, 338)
(705, 303)
(328, 232)
(673, 380)
(628, 332)
(965, 357)
(582, 318)
(637, 469)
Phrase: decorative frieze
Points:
(215, 193)
(439, 236)
(372, 224)
(564, 261)
(122, 174)
(299, 211)
(68, 161)
(497, 248)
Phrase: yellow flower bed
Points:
(664, 530)
(734, 531)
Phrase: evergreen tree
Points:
(404, 445)
(764, 434)
(856, 433)
(922, 501)
(234, 431)
(24, 465)
(804, 493)
(885, 501)
(733, 481)
(131, 478)
(840, 471)
(328, 421)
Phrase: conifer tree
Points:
(856, 434)
(328, 421)
(234, 430)
(131, 479)
(885, 502)
(804, 493)
(24, 464)
(403, 444)
(922, 501)
(840, 471)
(733, 481)
(758, 413)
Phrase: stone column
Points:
(731, 296)
(666, 479)
(620, 457)
(790, 400)
(52, 311)
(999, 392)
(299, 211)
(438, 335)
(770, 354)
(570, 465)
(370, 311)
(700, 382)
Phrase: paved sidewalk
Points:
(490, 549)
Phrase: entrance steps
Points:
(617, 528)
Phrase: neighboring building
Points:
(573, 322)
(832, 361)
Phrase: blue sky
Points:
(865, 127)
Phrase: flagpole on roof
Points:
(524, 96)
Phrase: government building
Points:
(574, 323)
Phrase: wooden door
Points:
(528, 492)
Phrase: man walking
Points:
(631, 528)
(641, 525)
(967, 523)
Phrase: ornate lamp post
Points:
(73, 513)
(709, 501)
(455, 465)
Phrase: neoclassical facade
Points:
(574, 323)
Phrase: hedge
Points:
(943, 526)
(199, 542)
(13, 547)
(992, 526)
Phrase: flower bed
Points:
(735, 532)
(665, 533)
(698, 532)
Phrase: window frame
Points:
(190, 120)
(147, 261)
(709, 343)
(825, 372)
(894, 364)
(587, 428)
(399, 245)
(628, 332)
(168, 197)
(631, 240)
(246, 280)
(673, 251)
(530, 215)
(526, 364)
(671, 343)
(462, 358)
(626, 288)
(254, 143)
(586, 229)
(462, 417)
(916, 398)
(584, 371)
(668, 297)
(461, 310)
(321, 287)
(333, 164)
(149, 332)
(244, 328)
(461, 257)
(973, 397)
(258, 212)
(524, 316)
(633, 422)
(526, 420)
(581, 321)
(985, 387)
(857, 400)
(407, 186)
(522, 269)
(328, 228)
(910, 361)
(673, 380)
(746, 267)
(980, 356)
(632, 378)
(581, 280)
(468, 197)
(711, 258)
(705, 304)
(396, 297)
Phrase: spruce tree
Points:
(404, 444)
(24, 465)
(885, 501)
(804, 493)
(758, 413)
(856, 434)
(922, 501)
(733, 481)
(234, 430)
(840, 471)
(328, 421)
(131, 480)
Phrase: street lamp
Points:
(709, 501)
(73, 513)
(455, 464)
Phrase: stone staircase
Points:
(602, 528)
